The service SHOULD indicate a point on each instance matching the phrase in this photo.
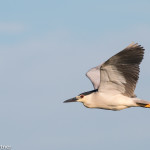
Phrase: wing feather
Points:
(94, 75)
(120, 73)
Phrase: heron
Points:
(115, 81)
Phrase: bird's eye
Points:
(81, 96)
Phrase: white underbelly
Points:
(105, 101)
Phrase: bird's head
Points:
(83, 97)
(79, 98)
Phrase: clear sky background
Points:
(46, 47)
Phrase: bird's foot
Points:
(147, 106)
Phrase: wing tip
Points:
(135, 45)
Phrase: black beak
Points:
(71, 100)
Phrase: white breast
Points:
(106, 101)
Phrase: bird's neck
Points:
(89, 100)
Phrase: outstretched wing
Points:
(120, 73)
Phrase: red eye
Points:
(81, 96)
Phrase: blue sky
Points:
(46, 47)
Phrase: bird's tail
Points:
(142, 103)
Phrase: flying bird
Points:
(115, 81)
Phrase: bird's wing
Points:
(94, 75)
(120, 73)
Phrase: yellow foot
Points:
(147, 106)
